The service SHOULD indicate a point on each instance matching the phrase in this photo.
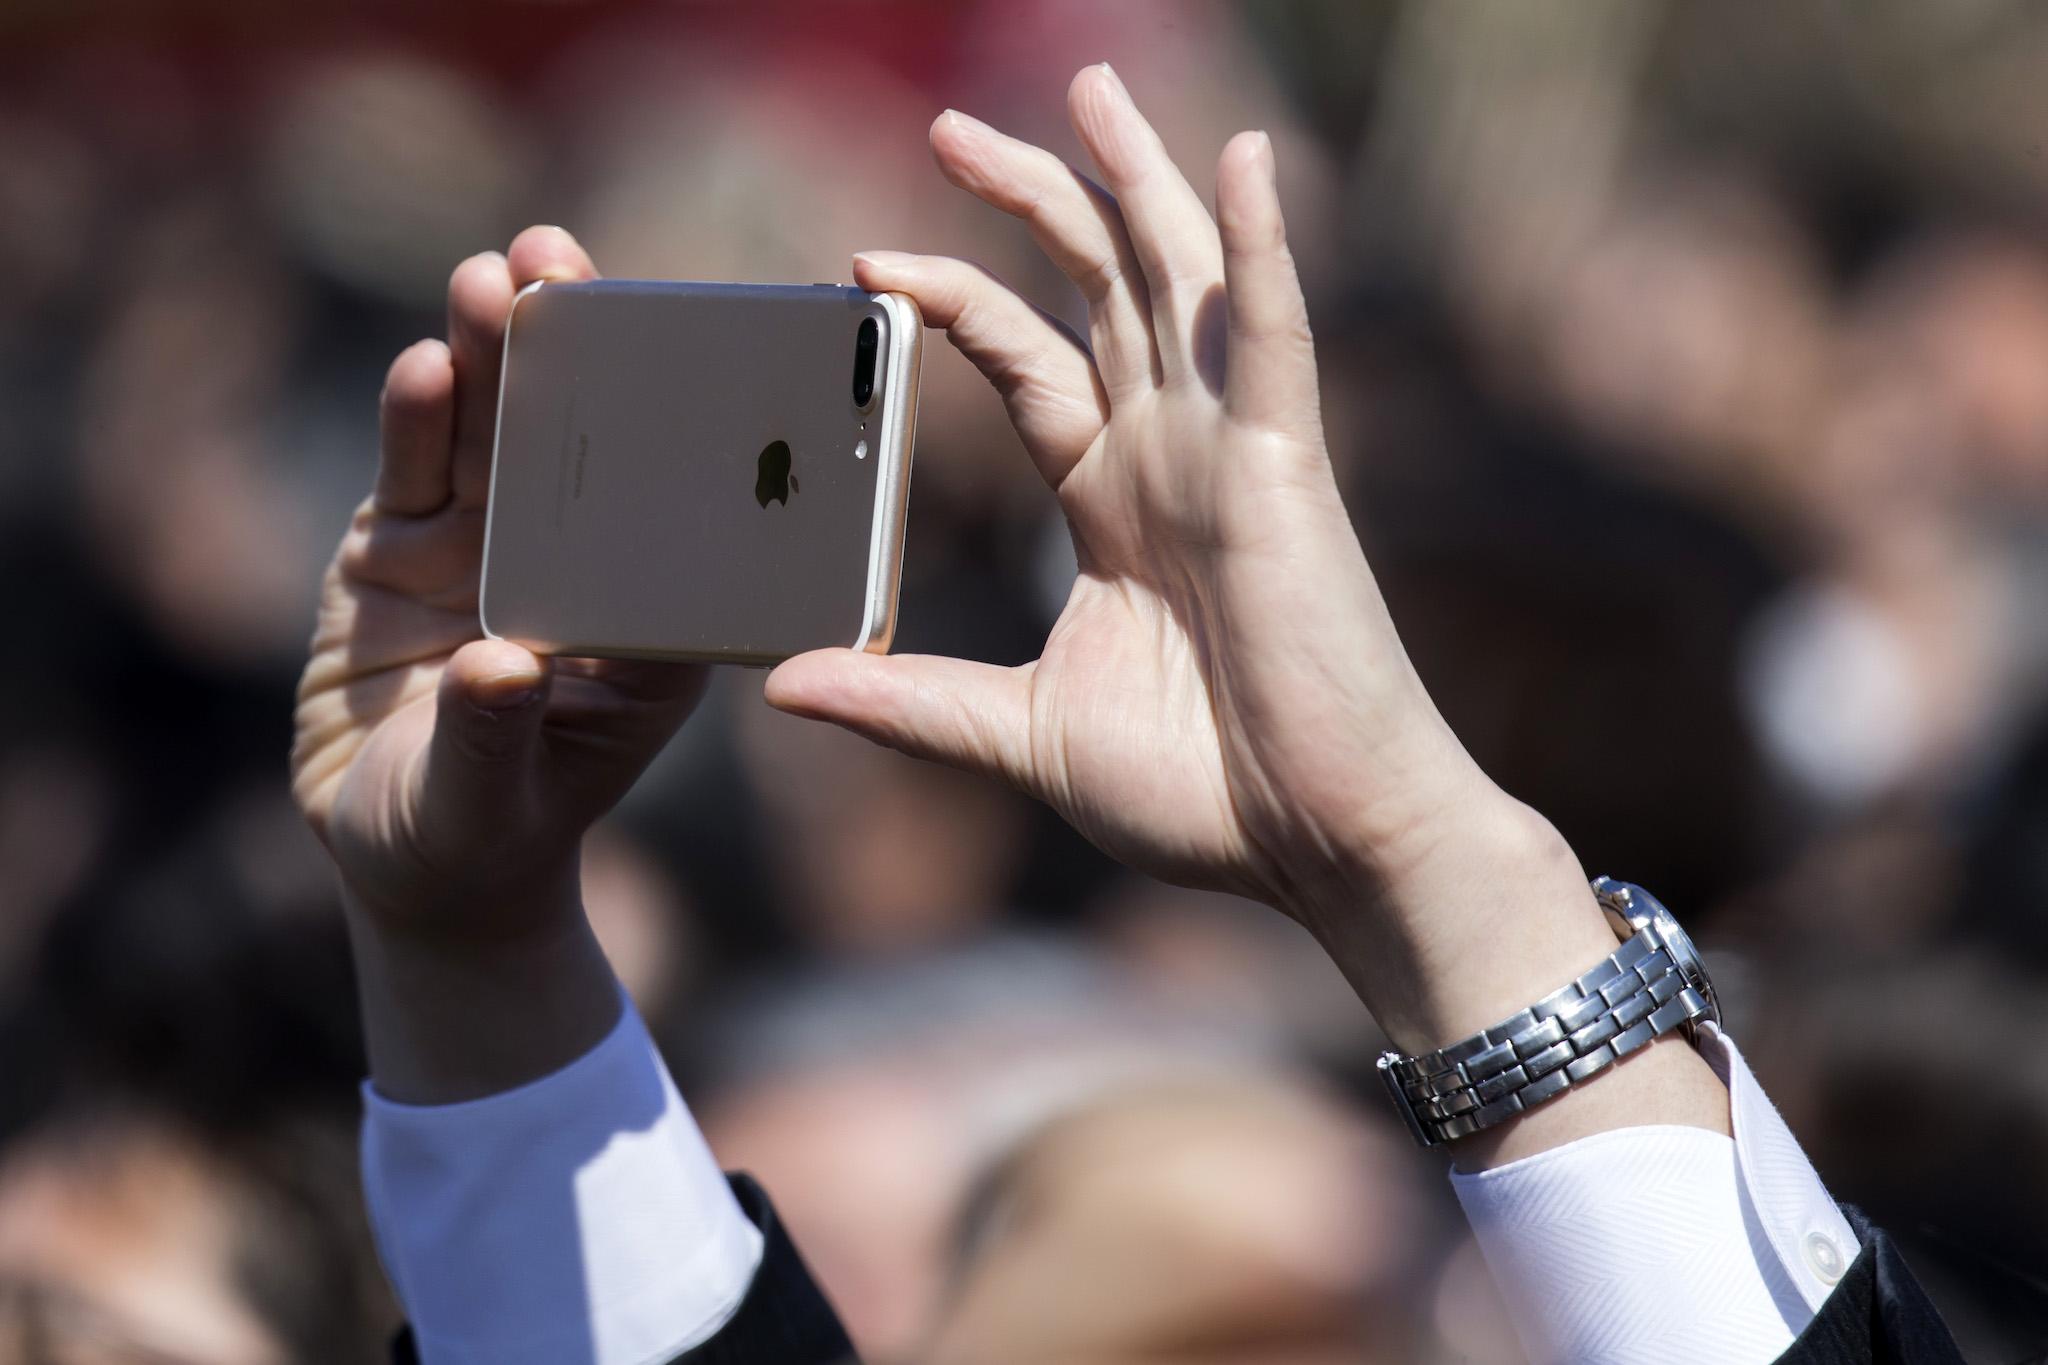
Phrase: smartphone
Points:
(712, 472)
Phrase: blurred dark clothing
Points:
(1878, 1314)
(784, 1319)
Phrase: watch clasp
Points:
(1403, 1106)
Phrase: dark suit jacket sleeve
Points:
(1877, 1315)
(784, 1319)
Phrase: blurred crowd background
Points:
(1687, 369)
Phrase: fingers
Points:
(548, 253)
(479, 297)
(440, 402)
(608, 717)
(1270, 376)
(624, 703)
(1075, 223)
(1045, 376)
(416, 417)
(635, 680)
(487, 735)
(1169, 226)
(972, 716)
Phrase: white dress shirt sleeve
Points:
(577, 1220)
(1664, 1245)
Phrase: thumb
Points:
(971, 716)
(487, 728)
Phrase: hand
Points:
(450, 776)
(1224, 700)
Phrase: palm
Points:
(1190, 631)
(1123, 741)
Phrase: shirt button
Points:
(1824, 1258)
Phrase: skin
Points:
(1224, 701)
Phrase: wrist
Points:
(454, 1013)
(1468, 917)
(489, 899)
(1492, 913)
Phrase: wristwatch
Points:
(1653, 983)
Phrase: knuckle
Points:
(1012, 369)
(1264, 240)
(1291, 332)
(1098, 275)
(1170, 274)
(1276, 446)
(1031, 199)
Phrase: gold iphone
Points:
(712, 472)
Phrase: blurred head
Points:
(963, 1141)
(1235, 1219)
(1689, 330)
(127, 1239)
(1952, 331)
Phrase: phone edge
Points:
(895, 445)
(483, 568)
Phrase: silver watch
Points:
(1653, 983)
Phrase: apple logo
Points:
(772, 480)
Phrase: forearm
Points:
(447, 1020)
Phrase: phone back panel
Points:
(677, 476)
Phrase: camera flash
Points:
(860, 450)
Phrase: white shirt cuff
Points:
(1662, 1245)
(577, 1220)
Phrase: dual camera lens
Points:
(867, 346)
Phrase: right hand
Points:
(451, 776)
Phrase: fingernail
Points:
(884, 259)
(505, 692)
(1115, 80)
(969, 121)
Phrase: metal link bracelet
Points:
(1652, 984)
